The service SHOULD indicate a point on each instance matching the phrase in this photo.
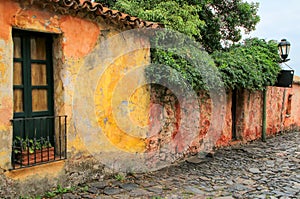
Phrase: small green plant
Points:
(22, 144)
(58, 190)
(120, 177)
(45, 143)
(30, 145)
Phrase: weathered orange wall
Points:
(82, 34)
(294, 118)
(77, 69)
(277, 120)
(249, 112)
(75, 45)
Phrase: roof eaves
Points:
(97, 9)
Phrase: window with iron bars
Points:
(42, 147)
(38, 136)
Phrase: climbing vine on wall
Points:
(252, 64)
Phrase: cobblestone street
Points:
(255, 170)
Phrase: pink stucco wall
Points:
(249, 113)
(278, 120)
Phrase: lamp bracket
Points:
(285, 60)
(287, 65)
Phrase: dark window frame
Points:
(26, 61)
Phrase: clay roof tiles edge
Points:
(100, 10)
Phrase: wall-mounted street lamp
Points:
(284, 79)
(284, 49)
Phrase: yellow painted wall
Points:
(90, 58)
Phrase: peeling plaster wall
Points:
(249, 115)
(86, 63)
(287, 122)
(249, 112)
(249, 105)
(207, 121)
(6, 93)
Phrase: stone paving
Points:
(254, 170)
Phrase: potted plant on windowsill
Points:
(31, 151)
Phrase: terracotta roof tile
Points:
(97, 9)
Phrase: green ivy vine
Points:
(252, 64)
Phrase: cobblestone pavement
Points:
(255, 170)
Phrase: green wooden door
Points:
(32, 84)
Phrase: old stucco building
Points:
(63, 78)
(53, 52)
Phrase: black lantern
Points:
(285, 77)
(284, 49)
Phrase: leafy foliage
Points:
(217, 25)
(211, 22)
(224, 21)
(175, 15)
(179, 62)
(21, 144)
(251, 65)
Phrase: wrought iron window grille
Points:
(43, 145)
